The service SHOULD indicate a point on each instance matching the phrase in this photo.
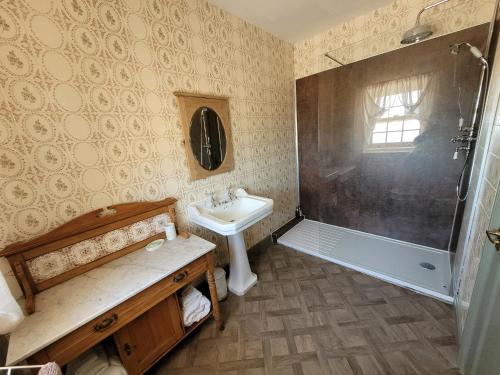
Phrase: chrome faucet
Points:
(213, 201)
(231, 194)
(466, 141)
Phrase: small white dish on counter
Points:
(152, 246)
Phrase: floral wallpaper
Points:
(88, 117)
(380, 31)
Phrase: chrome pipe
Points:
(333, 58)
(428, 7)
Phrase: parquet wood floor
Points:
(310, 316)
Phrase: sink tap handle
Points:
(231, 195)
(213, 202)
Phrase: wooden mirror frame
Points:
(188, 105)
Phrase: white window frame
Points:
(393, 146)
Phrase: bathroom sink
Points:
(232, 216)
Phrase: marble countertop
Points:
(68, 306)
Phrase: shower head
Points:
(419, 31)
(416, 34)
(476, 52)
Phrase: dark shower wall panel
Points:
(339, 179)
(394, 207)
(405, 195)
(307, 130)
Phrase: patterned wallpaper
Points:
(88, 118)
(380, 31)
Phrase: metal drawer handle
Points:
(180, 276)
(106, 323)
(127, 349)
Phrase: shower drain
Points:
(428, 266)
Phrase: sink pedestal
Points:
(241, 278)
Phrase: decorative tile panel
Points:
(57, 262)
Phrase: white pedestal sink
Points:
(231, 218)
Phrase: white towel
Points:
(92, 362)
(96, 362)
(114, 370)
(195, 306)
(50, 368)
(11, 314)
(115, 367)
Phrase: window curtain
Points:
(416, 93)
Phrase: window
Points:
(395, 128)
(395, 112)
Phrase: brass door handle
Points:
(494, 237)
(106, 323)
(180, 276)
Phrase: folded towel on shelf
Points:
(92, 362)
(114, 370)
(97, 361)
(50, 368)
(11, 314)
(114, 360)
(198, 314)
(115, 367)
(195, 306)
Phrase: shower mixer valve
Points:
(461, 148)
(462, 139)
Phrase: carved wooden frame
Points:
(87, 226)
(188, 104)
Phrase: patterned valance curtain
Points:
(415, 93)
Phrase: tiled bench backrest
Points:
(57, 262)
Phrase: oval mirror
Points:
(208, 138)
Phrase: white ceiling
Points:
(297, 20)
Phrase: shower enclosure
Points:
(377, 170)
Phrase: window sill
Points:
(388, 149)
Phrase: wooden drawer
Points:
(87, 336)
